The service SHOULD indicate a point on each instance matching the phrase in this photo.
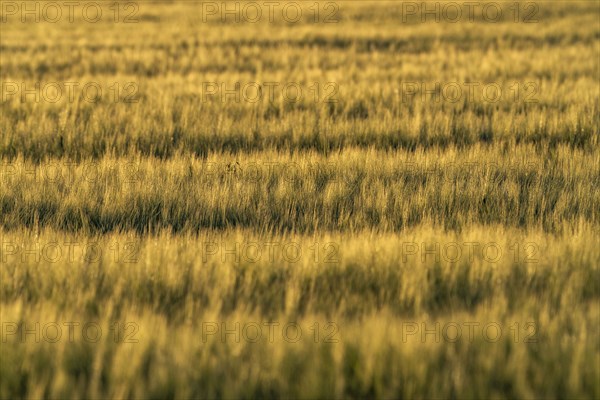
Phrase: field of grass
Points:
(174, 238)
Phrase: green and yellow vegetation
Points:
(383, 245)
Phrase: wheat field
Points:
(350, 199)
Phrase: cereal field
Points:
(345, 199)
